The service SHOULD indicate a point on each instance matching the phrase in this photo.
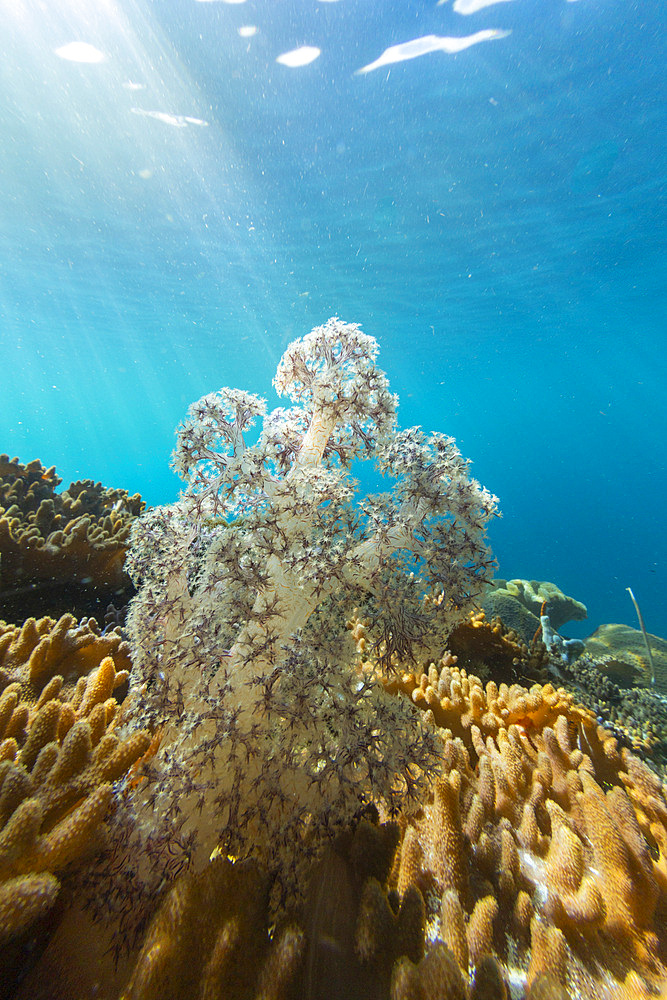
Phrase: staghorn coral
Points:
(542, 844)
(242, 656)
(58, 760)
(64, 549)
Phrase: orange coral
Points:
(459, 701)
(547, 834)
(38, 651)
(219, 916)
(59, 759)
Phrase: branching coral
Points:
(543, 843)
(58, 760)
(242, 655)
(35, 653)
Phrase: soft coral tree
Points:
(271, 728)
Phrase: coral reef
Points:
(241, 652)
(36, 652)
(344, 944)
(521, 603)
(458, 701)
(487, 647)
(536, 867)
(326, 804)
(637, 716)
(60, 550)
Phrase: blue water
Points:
(495, 217)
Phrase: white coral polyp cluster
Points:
(241, 651)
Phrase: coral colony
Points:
(270, 730)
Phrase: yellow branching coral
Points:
(58, 760)
(39, 651)
(459, 701)
(542, 841)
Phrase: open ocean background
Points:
(177, 208)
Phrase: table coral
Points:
(537, 598)
(621, 652)
(52, 544)
(58, 761)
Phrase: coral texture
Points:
(219, 916)
(636, 716)
(538, 860)
(52, 544)
(58, 760)
(242, 656)
(519, 876)
(347, 937)
(542, 841)
(38, 651)
(486, 647)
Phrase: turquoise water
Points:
(177, 206)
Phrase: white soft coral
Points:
(244, 586)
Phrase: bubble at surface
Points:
(81, 52)
(302, 56)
